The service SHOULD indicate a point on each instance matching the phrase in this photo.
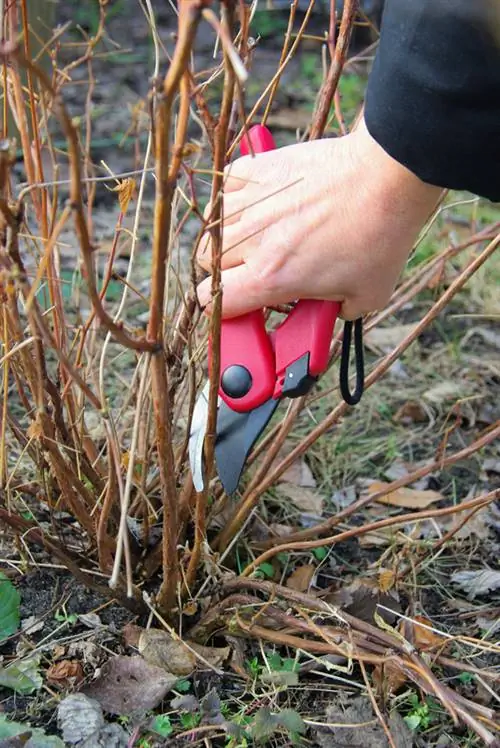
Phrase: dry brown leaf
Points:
(386, 579)
(388, 678)
(303, 498)
(175, 656)
(409, 498)
(378, 538)
(159, 648)
(300, 578)
(130, 686)
(190, 608)
(126, 192)
(418, 632)
(279, 530)
(65, 672)
(300, 474)
(361, 599)
(214, 656)
(411, 412)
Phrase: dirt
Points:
(120, 85)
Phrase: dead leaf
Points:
(130, 686)
(303, 498)
(388, 678)
(352, 722)
(443, 391)
(419, 632)
(159, 648)
(491, 465)
(361, 598)
(411, 412)
(66, 672)
(126, 189)
(387, 338)
(290, 119)
(82, 723)
(476, 583)
(409, 498)
(386, 579)
(190, 608)
(280, 531)
(378, 538)
(131, 634)
(175, 656)
(300, 474)
(214, 656)
(300, 578)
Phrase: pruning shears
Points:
(259, 367)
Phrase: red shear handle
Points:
(308, 329)
(248, 373)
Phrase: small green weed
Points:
(62, 616)
(421, 713)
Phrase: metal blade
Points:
(197, 438)
(236, 434)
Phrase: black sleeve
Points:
(433, 97)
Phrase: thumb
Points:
(241, 292)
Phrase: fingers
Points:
(242, 292)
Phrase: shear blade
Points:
(197, 438)
(236, 435)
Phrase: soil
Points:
(53, 596)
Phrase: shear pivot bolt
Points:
(236, 381)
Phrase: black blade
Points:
(236, 434)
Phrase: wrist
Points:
(396, 185)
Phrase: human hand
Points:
(332, 219)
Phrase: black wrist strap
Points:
(352, 398)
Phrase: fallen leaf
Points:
(361, 599)
(491, 465)
(186, 702)
(91, 620)
(419, 632)
(214, 656)
(65, 672)
(302, 497)
(352, 722)
(290, 119)
(300, 474)
(476, 583)
(82, 723)
(279, 530)
(387, 338)
(388, 678)
(377, 539)
(301, 577)
(344, 497)
(131, 633)
(32, 625)
(282, 678)
(159, 648)
(408, 498)
(443, 391)
(386, 579)
(130, 686)
(411, 412)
